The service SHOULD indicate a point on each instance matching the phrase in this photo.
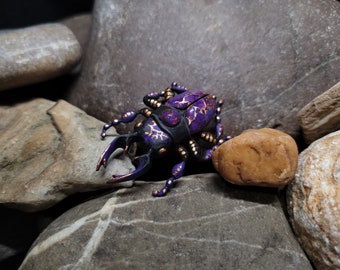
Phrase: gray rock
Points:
(49, 151)
(36, 53)
(266, 59)
(80, 25)
(6, 252)
(322, 115)
(313, 201)
(204, 223)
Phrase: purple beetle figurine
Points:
(175, 119)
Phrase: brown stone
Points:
(322, 115)
(313, 201)
(48, 151)
(264, 157)
(36, 53)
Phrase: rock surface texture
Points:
(205, 223)
(313, 200)
(266, 59)
(322, 115)
(263, 157)
(80, 25)
(49, 151)
(36, 53)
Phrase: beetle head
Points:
(124, 142)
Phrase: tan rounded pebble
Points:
(313, 201)
(322, 115)
(259, 157)
(36, 53)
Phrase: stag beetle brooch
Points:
(175, 120)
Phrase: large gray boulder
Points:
(267, 59)
(204, 223)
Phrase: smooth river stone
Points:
(264, 157)
(34, 54)
(203, 223)
(322, 115)
(313, 201)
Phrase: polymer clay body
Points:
(176, 119)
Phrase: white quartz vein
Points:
(105, 214)
(102, 225)
(228, 242)
(75, 226)
(188, 220)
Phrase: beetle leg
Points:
(178, 88)
(126, 117)
(177, 172)
(220, 138)
(152, 99)
(198, 153)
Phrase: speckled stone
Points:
(36, 53)
(313, 200)
(322, 115)
(263, 157)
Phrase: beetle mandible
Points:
(175, 119)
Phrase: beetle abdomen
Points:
(186, 99)
(200, 113)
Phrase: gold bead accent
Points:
(162, 151)
(138, 124)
